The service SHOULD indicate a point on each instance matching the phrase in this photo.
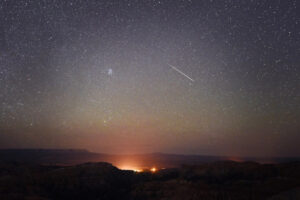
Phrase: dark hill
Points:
(211, 181)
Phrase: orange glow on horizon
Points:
(131, 168)
(138, 169)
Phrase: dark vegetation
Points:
(217, 180)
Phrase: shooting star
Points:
(173, 67)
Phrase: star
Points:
(110, 72)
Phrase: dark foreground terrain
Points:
(218, 180)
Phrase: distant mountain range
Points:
(161, 160)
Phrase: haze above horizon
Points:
(129, 77)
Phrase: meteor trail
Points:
(173, 67)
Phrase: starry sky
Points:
(128, 76)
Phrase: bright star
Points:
(110, 72)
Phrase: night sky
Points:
(190, 76)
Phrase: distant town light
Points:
(153, 169)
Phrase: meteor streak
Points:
(173, 67)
